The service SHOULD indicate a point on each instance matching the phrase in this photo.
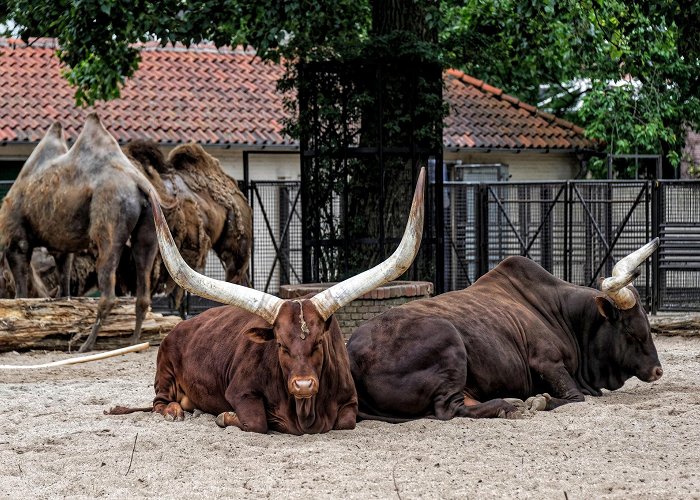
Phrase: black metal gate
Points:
(277, 226)
(676, 221)
(577, 230)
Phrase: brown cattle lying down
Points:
(263, 363)
(90, 196)
(517, 332)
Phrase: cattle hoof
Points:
(225, 419)
(518, 403)
(515, 414)
(538, 403)
(518, 414)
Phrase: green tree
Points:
(96, 37)
(629, 72)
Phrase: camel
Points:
(90, 196)
(204, 209)
(42, 275)
(210, 211)
(226, 214)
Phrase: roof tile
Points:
(504, 121)
(191, 94)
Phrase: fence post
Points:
(282, 229)
(656, 193)
(481, 211)
(546, 240)
(439, 201)
(567, 231)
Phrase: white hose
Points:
(81, 359)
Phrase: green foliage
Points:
(96, 37)
(626, 71)
(629, 72)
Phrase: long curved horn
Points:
(624, 272)
(330, 300)
(263, 304)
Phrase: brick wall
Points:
(368, 305)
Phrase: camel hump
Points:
(188, 156)
(51, 146)
(147, 153)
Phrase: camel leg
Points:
(145, 248)
(108, 257)
(104, 307)
(18, 260)
(64, 265)
(236, 271)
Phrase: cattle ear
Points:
(607, 308)
(260, 335)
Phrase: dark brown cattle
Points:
(516, 333)
(263, 363)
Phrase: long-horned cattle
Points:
(518, 332)
(263, 363)
(90, 196)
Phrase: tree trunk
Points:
(404, 112)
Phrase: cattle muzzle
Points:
(655, 374)
(303, 387)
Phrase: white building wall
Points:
(262, 167)
(524, 166)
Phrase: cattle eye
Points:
(283, 348)
(318, 346)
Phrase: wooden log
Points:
(676, 324)
(50, 324)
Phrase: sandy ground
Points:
(641, 441)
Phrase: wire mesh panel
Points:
(678, 282)
(521, 220)
(460, 218)
(277, 249)
(575, 230)
(607, 221)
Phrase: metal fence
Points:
(676, 217)
(577, 230)
(574, 229)
(276, 256)
(277, 226)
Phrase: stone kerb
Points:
(368, 305)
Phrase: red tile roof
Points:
(482, 116)
(228, 97)
(223, 97)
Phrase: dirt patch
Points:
(639, 441)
